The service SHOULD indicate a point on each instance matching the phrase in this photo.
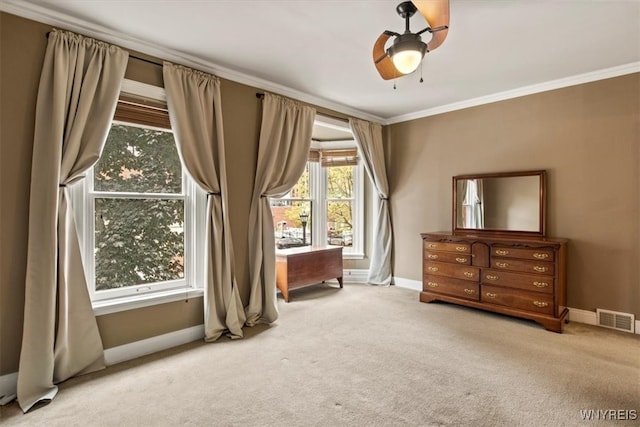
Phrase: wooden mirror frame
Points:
(541, 232)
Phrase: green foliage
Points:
(138, 240)
(339, 206)
(339, 213)
(139, 160)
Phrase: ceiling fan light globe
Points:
(407, 61)
(407, 52)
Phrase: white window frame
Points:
(356, 251)
(318, 194)
(135, 296)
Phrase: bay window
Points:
(325, 207)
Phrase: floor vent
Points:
(616, 320)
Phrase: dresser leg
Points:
(340, 281)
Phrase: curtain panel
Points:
(194, 103)
(368, 138)
(79, 87)
(285, 137)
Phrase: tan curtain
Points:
(285, 137)
(78, 91)
(369, 140)
(194, 103)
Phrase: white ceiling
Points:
(320, 51)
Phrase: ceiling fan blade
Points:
(383, 63)
(436, 12)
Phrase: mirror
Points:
(500, 203)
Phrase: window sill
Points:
(352, 255)
(133, 302)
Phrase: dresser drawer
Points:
(528, 282)
(451, 257)
(463, 248)
(463, 272)
(530, 301)
(541, 254)
(523, 265)
(449, 286)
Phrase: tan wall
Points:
(23, 43)
(587, 137)
(19, 74)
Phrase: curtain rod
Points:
(149, 61)
(260, 95)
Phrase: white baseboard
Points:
(122, 353)
(8, 387)
(400, 282)
(355, 275)
(583, 316)
(141, 348)
(591, 318)
(352, 276)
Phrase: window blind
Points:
(327, 158)
(143, 111)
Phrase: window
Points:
(293, 214)
(325, 207)
(340, 205)
(138, 209)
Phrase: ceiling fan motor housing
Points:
(407, 41)
(406, 9)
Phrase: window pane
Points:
(289, 226)
(138, 241)
(339, 223)
(138, 160)
(301, 189)
(340, 182)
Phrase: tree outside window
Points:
(139, 209)
(340, 199)
(325, 193)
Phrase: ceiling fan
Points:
(406, 53)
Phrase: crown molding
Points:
(41, 14)
(50, 17)
(606, 73)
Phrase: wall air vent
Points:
(616, 320)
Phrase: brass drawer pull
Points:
(432, 268)
(491, 277)
(540, 284)
(432, 284)
(491, 295)
(540, 269)
(502, 252)
(432, 256)
(461, 260)
(540, 256)
(461, 248)
(469, 291)
(540, 304)
(468, 274)
(502, 264)
(432, 245)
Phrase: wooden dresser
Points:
(297, 267)
(522, 277)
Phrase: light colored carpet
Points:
(364, 356)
